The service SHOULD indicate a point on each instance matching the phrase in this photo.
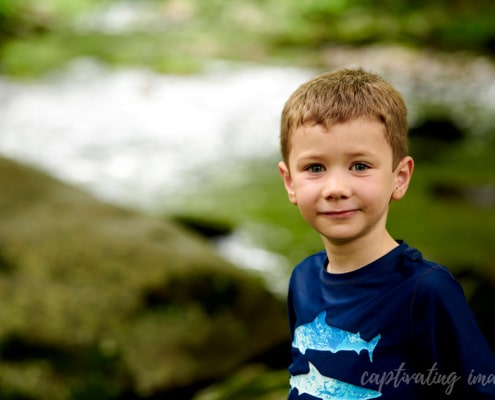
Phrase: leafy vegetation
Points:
(38, 35)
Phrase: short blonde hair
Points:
(344, 95)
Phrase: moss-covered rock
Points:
(252, 382)
(97, 301)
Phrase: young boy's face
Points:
(342, 179)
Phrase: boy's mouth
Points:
(339, 213)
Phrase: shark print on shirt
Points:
(318, 335)
(322, 387)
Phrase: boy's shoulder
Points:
(403, 260)
(314, 261)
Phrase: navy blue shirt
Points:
(398, 328)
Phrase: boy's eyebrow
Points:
(363, 153)
(311, 155)
(316, 154)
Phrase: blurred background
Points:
(146, 238)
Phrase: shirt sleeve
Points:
(447, 339)
(291, 313)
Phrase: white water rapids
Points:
(133, 136)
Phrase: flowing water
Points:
(136, 138)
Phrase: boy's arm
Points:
(447, 336)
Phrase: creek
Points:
(138, 138)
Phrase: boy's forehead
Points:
(362, 134)
(327, 126)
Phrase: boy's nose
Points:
(336, 186)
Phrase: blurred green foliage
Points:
(38, 35)
(439, 24)
(25, 18)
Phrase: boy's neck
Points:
(350, 256)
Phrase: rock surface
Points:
(102, 302)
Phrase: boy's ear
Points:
(403, 176)
(284, 171)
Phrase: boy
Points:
(369, 317)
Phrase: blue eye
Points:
(359, 167)
(315, 168)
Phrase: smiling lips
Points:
(336, 214)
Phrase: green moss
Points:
(97, 300)
(251, 382)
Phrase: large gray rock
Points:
(97, 301)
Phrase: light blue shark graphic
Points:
(324, 388)
(318, 335)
